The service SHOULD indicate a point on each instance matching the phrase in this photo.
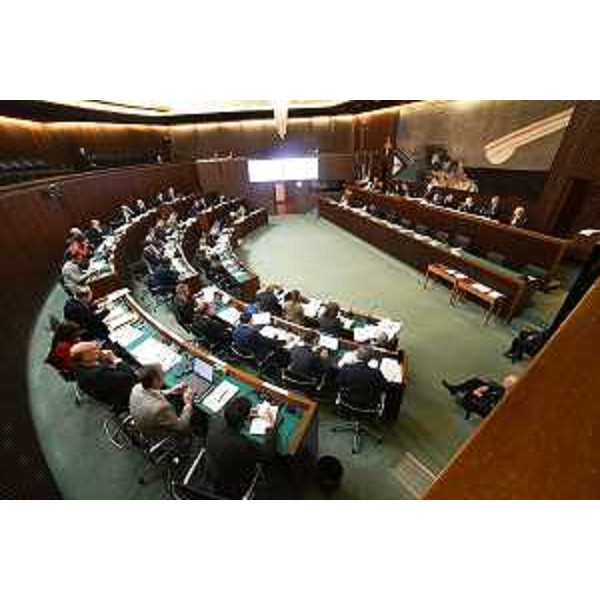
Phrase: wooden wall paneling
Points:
(33, 229)
(543, 440)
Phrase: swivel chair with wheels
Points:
(359, 411)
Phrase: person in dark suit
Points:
(330, 324)
(267, 301)
(468, 206)
(95, 234)
(492, 210)
(152, 254)
(306, 361)
(478, 395)
(101, 375)
(215, 331)
(231, 458)
(81, 309)
(164, 276)
(362, 385)
(184, 305)
(247, 338)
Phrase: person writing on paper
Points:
(362, 384)
(101, 375)
(306, 361)
(231, 457)
(151, 409)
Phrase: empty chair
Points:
(406, 223)
(442, 236)
(462, 241)
(421, 228)
(300, 383)
(496, 257)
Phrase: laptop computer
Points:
(202, 380)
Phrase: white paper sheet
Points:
(152, 351)
(263, 318)
(329, 342)
(391, 369)
(126, 335)
(230, 314)
(220, 396)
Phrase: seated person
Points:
(127, 214)
(172, 220)
(383, 341)
(330, 323)
(65, 336)
(164, 277)
(160, 231)
(82, 309)
(214, 330)
(306, 361)
(468, 205)
(95, 234)
(216, 228)
(362, 384)
(74, 274)
(267, 301)
(101, 375)
(231, 458)
(293, 310)
(479, 396)
(492, 210)
(448, 201)
(518, 218)
(153, 413)
(152, 254)
(247, 338)
(198, 205)
(239, 214)
(78, 245)
(184, 304)
(171, 194)
(140, 206)
(437, 199)
(527, 343)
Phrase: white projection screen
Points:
(283, 169)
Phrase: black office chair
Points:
(192, 482)
(441, 236)
(496, 257)
(302, 384)
(406, 223)
(462, 241)
(421, 228)
(346, 404)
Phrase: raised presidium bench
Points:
(149, 341)
(524, 250)
(420, 250)
(463, 286)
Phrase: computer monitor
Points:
(203, 369)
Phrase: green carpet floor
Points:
(325, 261)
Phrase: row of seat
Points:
(21, 170)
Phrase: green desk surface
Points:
(290, 417)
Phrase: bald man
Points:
(101, 375)
(479, 396)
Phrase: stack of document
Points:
(365, 333)
(484, 289)
(230, 314)
(349, 358)
(275, 333)
(391, 369)
(263, 318)
(152, 351)
(266, 414)
(329, 342)
(220, 396)
(495, 295)
(311, 309)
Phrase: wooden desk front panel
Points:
(520, 246)
(420, 255)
